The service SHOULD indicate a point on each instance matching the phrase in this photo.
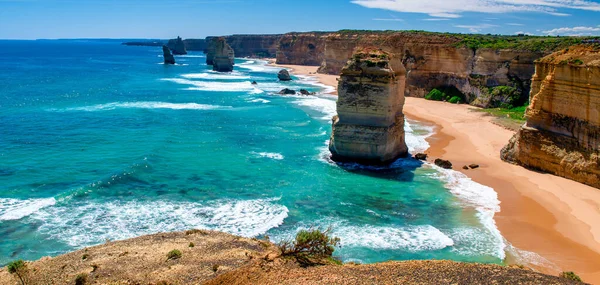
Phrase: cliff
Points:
(219, 258)
(473, 64)
(562, 133)
(369, 127)
(169, 59)
(177, 46)
(222, 56)
(195, 44)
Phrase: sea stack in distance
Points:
(562, 133)
(369, 127)
(223, 59)
(169, 58)
(177, 46)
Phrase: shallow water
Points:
(101, 141)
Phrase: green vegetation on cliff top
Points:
(477, 41)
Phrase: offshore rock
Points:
(169, 59)
(369, 127)
(287, 91)
(306, 92)
(223, 59)
(562, 133)
(284, 75)
(177, 46)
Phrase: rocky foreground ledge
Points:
(208, 257)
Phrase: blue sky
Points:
(32, 19)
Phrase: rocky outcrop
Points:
(303, 49)
(222, 56)
(369, 127)
(284, 75)
(177, 46)
(169, 59)
(287, 91)
(562, 133)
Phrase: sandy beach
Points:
(549, 222)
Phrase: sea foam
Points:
(15, 209)
(92, 222)
(145, 105)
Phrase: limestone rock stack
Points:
(562, 133)
(177, 46)
(369, 127)
(169, 59)
(222, 55)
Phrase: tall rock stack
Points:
(169, 59)
(177, 46)
(562, 133)
(223, 59)
(369, 127)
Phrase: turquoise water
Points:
(100, 141)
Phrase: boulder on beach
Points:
(443, 163)
(421, 156)
(287, 91)
(284, 75)
(473, 166)
(169, 59)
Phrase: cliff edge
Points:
(209, 257)
(369, 127)
(562, 133)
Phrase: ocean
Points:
(100, 141)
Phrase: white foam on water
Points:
(531, 258)
(145, 105)
(323, 105)
(312, 80)
(260, 100)
(409, 238)
(244, 86)
(480, 197)
(258, 66)
(15, 209)
(416, 142)
(215, 76)
(92, 223)
(271, 155)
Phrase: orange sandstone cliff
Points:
(562, 133)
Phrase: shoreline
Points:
(541, 215)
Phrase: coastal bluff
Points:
(562, 132)
(210, 257)
(369, 127)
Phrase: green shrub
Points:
(435, 95)
(81, 279)
(505, 97)
(19, 269)
(455, 100)
(85, 256)
(174, 254)
(570, 275)
(215, 268)
(311, 247)
(577, 61)
(191, 244)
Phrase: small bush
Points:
(215, 268)
(174, 254)
(576, 61)
(191, 244)
(435, 95)
(85, 256)
(18, 268)
(570, 275)
(311, 247)
(81, 279)
(455, 100)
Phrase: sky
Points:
(163, 19)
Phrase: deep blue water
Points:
(101, 141)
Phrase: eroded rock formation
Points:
(169, 58)
(562, 133)
(222, 56)
(177, 46)
(284, 75)
(369, 127)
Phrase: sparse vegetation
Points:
(81, 279)
(449, 94)
(571, 276)
(19, 269)
(311, 247)
(196, 231)
(85, 256)
(215, 268)
(174, 254)
(191, 244)
(516, 113)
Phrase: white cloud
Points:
(388, 19)
(454, 8)
(436, 19)
(476, 28)
(523, 33)
(514, 24)
(574, 31)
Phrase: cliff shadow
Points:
(402, 169)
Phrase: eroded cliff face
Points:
(303, 49)
(369, 127)
(431, 60)
(177, 46)
(223, 56)
(562, 133)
